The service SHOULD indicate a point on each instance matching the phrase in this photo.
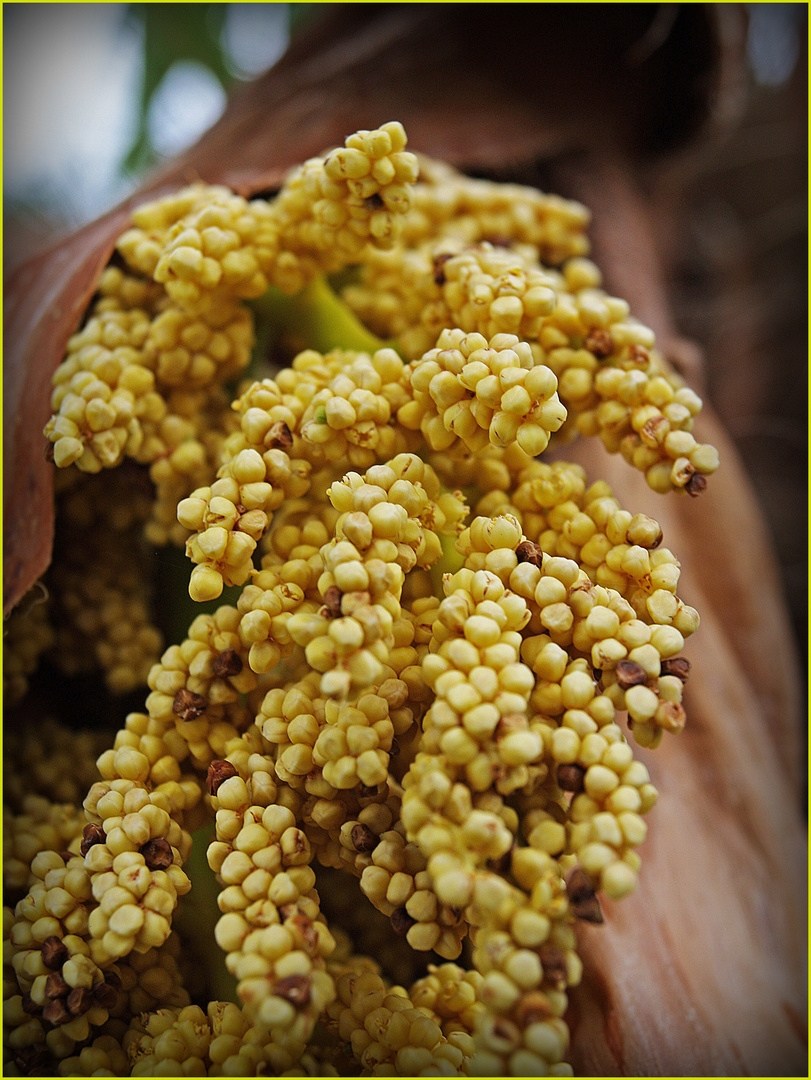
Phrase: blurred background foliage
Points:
(97, 94)
(213, 38)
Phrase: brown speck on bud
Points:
(529, 552)
(66, 856)
(105, 995)
(80, 1000)
(363, 839)
(394, 749)
(295, 989)
(655, 431)
(571, 777)
(28, 1005)
(599, 343)
(507, 1031)
(332, 601)
(439, 262)
(188, 705)
(304, 926)
(374, 201)
(671, 716)
(54, 953)
(226, 664)
(56, 1012)
(582, 896)
(533, 1007)
(279, 437)
(638, 354)
(354, 601)
(678, 666)
(553, 962)
(91, 835)
(157, 853)
(511, 722)
(370, 793)
(696, 484)
(218, 772)
(401, 921)
(49, 451)
(55, 986)
(629, 674)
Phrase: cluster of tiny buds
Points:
(435, 706)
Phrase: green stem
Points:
(449, 562)
(315, 318)
(175, 609)
(196, 917)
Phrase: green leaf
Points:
(174, 32)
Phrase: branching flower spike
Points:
(388, 767)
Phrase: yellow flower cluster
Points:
(413, 709)
(469, 391)
(270, 930)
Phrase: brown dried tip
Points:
(439, 262)
(678, 666)
(218, 772)
(226, 664)
(80, 1000)
(571, 778)
(696, 484)
(188, 705)
(28, 1005)
(91, 835)
(279, 437)
(54, 953)
(401, 921)
(157, 853)
(332, 601)
(363, 839)
(56, 1012)
(582, 896)
(105, 995)
(55, 986)
(599, 343)
(553, 962)
(529, 552)
(295, 989)
(629, 673)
